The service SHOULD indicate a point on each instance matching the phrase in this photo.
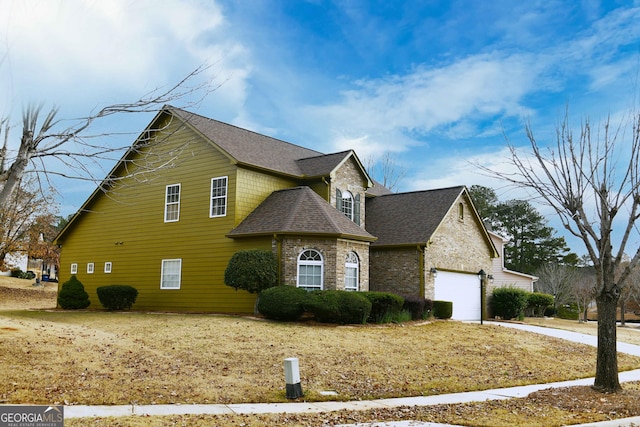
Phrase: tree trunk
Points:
(607, 362)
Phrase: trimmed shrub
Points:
(537, 303)
(415, 306)
(252, 270)
(509, 303)
(282, 303)
(72, 295)
(341, 307)
(568, 312)
(384, 305)
(117, 297)
(442, 309)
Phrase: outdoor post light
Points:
(483, 280)
(434, 272)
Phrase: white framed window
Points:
(108, 266)
(351, 272)
(171, 274)
(90, 268)
(218, 197)
(310, 270)
(347, 205)
(74, 268)
(172, 203)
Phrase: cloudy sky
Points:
(438, 85)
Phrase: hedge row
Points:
(288, 303)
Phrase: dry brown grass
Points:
(629, 333)
(96, 357)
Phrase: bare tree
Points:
(584, 291)
(388, 170)
(557, 280)
(591, 180)
(73, 146)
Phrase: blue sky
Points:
(436, 84)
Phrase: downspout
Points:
(278, 256)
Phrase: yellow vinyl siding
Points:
(254, 187)
(126, 227)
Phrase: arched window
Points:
(310, 270)
(351, 272)
(461, 212)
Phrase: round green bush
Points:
(117, 297)
(252, 270)
(509, 303)
(72, 295)
(340, 307)
(442, 309)
(282, 303)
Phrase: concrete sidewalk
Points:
(317, 407)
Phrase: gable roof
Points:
(409, 218)
(402, 219)
(301, 211)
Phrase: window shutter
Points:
(356, 209)
(339, 200)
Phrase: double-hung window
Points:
(171, 274)
(218, 197)
(172, 203)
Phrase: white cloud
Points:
(104, 51)
(451, 99)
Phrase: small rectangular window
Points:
(218, 197)
(172, 203)
(107, 267)
(74, 268)
(90, 268)
(171, 274)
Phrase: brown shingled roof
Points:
(249, 147)
(298, 210)
(322, 165)
(409, 218)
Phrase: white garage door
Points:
(461, 289)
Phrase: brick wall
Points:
(349, 178)
(333, 251)
(458, 244)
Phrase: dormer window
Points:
(348, 205)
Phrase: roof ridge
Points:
(261, 135)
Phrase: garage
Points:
(461, 289)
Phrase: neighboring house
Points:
(192, 191)
(503, 277)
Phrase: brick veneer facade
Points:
(333, 251)
(457, 245)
